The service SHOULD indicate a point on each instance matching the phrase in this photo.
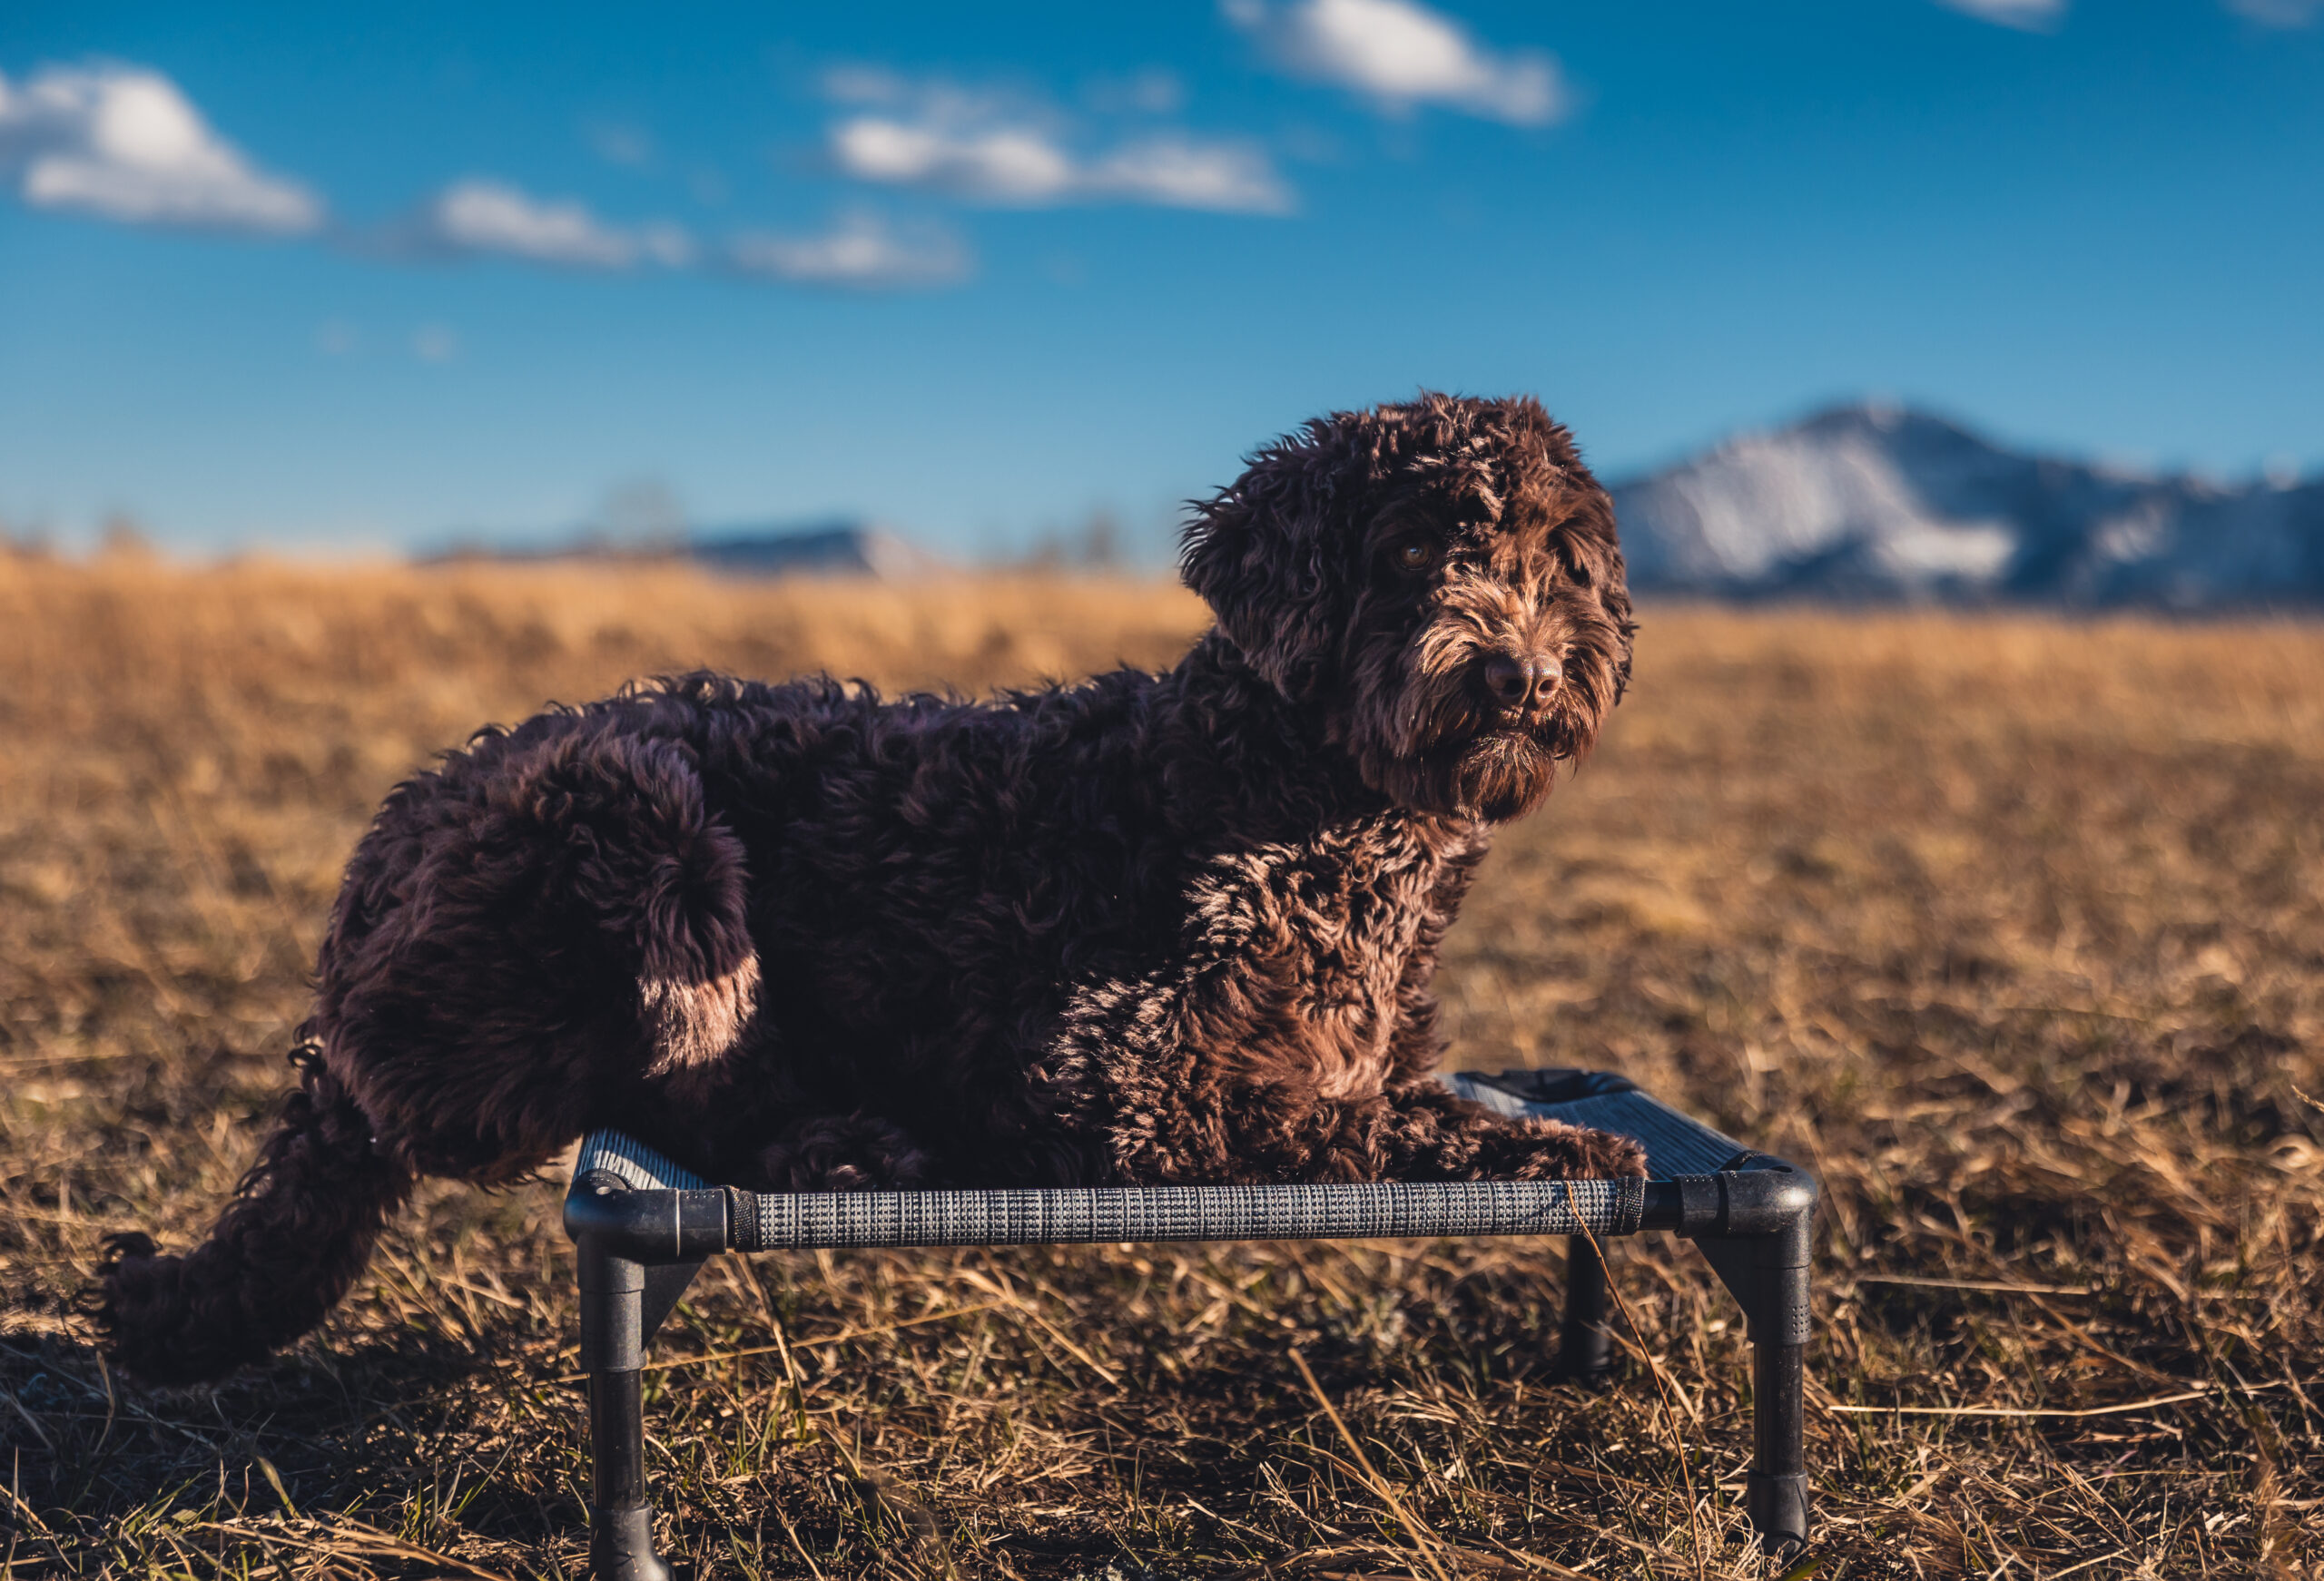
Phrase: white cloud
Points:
(999, 149)
(124, 142)
(481, 215)
(435, 343)
(1188, 173)
(2277, 13)
(861, 252)
(2026, 16)
(1400, 53)
(1009, 164)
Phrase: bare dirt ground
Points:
(2013, 930)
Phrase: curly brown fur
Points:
(1149, 929)
(299, 1231)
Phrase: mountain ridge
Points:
(1873, 502)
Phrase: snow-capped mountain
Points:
(1878, 503)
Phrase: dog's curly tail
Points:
(299, 1229)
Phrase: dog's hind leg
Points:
(547, 934)
(536, 940)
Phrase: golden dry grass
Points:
(2010, 929)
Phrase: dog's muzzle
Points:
(1518, 684)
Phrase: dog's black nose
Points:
(1514, 683)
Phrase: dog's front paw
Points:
(1552, 1150)
(842, 1152)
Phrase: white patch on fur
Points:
(696, 1024)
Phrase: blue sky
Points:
(358, 276)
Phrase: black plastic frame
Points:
(1752, 1221)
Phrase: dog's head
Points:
(1440, 580)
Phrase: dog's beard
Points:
(1454, 757)
(1423, 734)
(1504, 775)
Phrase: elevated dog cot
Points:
(643, 1227)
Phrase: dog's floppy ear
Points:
(1266, 553)
(1589, 544)
(1593, 550)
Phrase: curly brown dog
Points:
(1146, 930)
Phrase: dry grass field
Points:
(2013, 930)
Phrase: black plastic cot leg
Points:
(1777, 1313)
(1586, 1347)
(1757, 1225)
(1776, 1309)
(621, 1523)
(1778, 1482)
(613, 1349)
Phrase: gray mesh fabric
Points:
(1675, 1145)
(1257, 1213)
(639, 1167)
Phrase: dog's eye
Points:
(1415, 555)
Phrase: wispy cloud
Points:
(621, 143)
(484, 216)
(1188, 173)
(1399, 53)
(2047, 15)
(2025, 15)
(997, 148)
(124, 142)
(1006, 164)
(1151, 92)
(2277, 13)
(861, 252)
